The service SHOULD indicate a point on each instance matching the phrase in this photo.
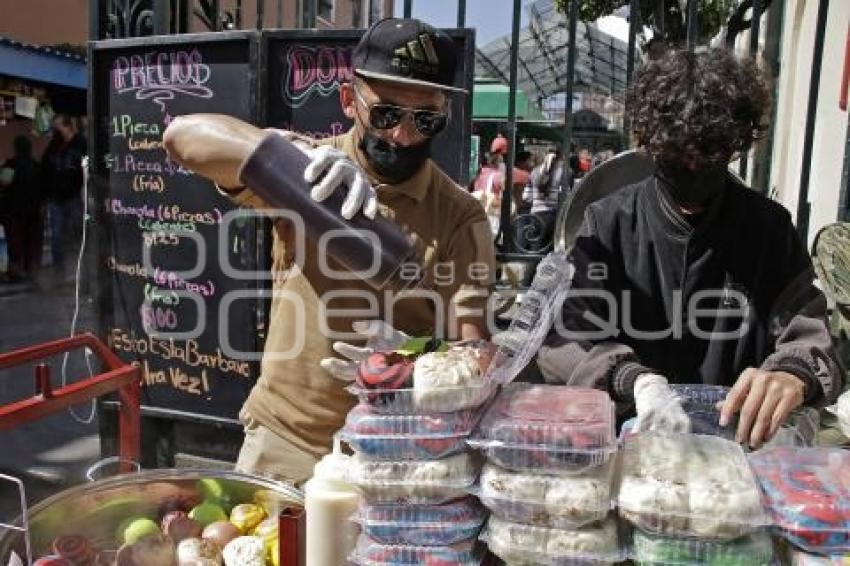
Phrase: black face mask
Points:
(393, 162)
(692, 188)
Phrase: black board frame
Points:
(103, 287)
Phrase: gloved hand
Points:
(657, 406)
(380, 337)
(841, 410)
(328, 169)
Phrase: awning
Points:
(490, 100)
(42, 64)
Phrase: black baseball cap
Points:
(407, 51)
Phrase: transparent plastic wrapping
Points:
(423, 525)
(413, 481)
(370, 552)
(800, 558)
(548, 501)
(548, 428)
(517, 543)
(521, 341)
(688, 485)
(441, 382)
(807, 494)
(751, 550)
(408, 437)
(700, 401)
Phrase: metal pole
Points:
(161, 9)
(811, 117)
(461, 13)
(215, 15)
(261, 14)
(693, 25)
(634, 22)
(844, 195)
(95, 18)
(505, 228)
(408, 8)
(280, 13)
(571, 68)
(312, 7)
(755, 31)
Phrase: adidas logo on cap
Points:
(417, 56)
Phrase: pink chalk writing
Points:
(312, 70)
(160, 76)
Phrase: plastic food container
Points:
(700, 401)
(413, 401)
(752, 550)
(517, 543)
(548, 429)
(689, 485)
(370, 552)
(408, 437)
(414, 481)
(807, 494)
(423, 525)
(548, 501)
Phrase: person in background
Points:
(690, 277)
(62, 180)
(523, 165)
(21, 211)
(398, 99)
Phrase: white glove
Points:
(380, 337)
(657, 406)
(334, 168)
(338, 169)
(841, 409)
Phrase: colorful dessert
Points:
(269, 531)
(245, 551)
(75, 549)
(807, 494)
(689, 486)
(544, 500)
(137, 529)
(454, 379)
(425, 525)
(548, 428)
(191, 550)
(407, 437)
(751, 550)
(413, 481)
(207, 513)
(246, 516)
(388, 370)
(221, 532)
(372, 553)
(157, 550)
(179, 526)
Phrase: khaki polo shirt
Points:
(294, 396)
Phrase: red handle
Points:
(845, 78)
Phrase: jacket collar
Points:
(664, 209)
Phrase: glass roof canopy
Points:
(542, 58)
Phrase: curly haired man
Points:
(689, 276)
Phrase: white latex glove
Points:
(657, 406)
(328, 169)
(332, 168)
(841, 409)
(380, 337)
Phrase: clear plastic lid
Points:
(518, 542)
(548, 501)
(807, 494)
(700, 403)
(414, 481)
(426, 525)
(548, 428)
(408, 437)
(369, 552)
(446, 399)
(688, 485)
(751, 550)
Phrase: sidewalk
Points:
(51, 454)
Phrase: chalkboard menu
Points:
(178, 296)
(304, 70)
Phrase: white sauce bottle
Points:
(329, 502)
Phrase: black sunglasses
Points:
(387, 116)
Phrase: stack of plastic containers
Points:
(692, 500)
(411, 461)
(548, 481)
(807, 495)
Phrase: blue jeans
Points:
(66, 228)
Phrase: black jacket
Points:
(641, 265)
(62, 170)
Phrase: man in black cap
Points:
(403, 74)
